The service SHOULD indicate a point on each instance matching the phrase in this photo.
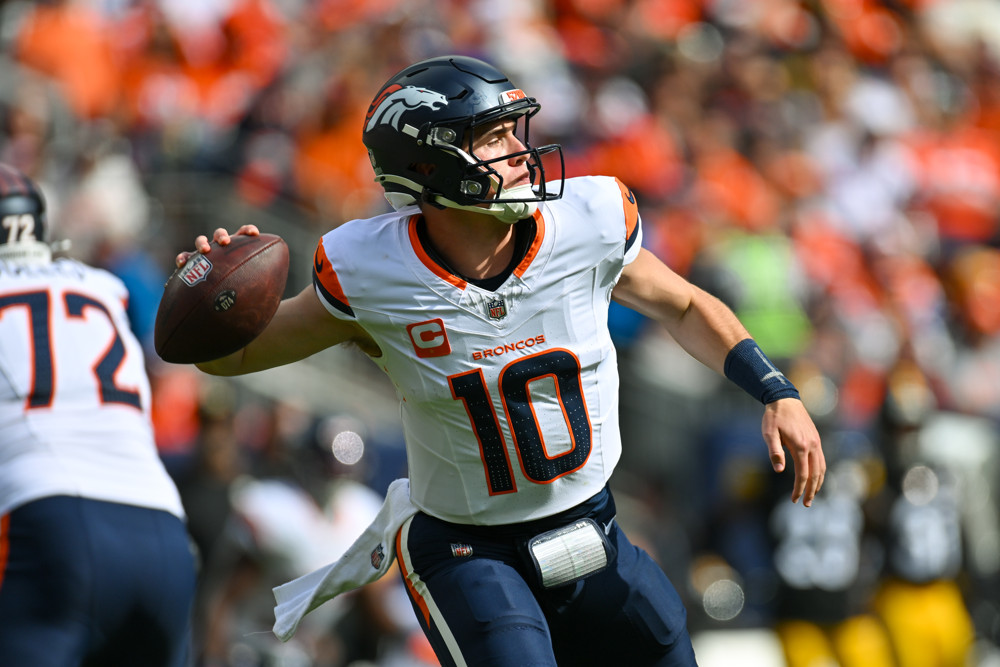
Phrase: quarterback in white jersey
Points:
(509, 396)
(485, 298)
(95, 561)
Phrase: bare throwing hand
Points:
(220, 236)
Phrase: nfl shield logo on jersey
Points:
(496, 308)
(377, 556)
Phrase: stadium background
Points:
(830, 168)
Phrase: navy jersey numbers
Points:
(77, 306)
(107, 366)
(42, 373)
(559, 371)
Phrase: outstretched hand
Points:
(788, 426)
(220, 236)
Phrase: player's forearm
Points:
(707, 329)
(282, 342)
(225, 366)
(300, 328)
(704, 326)
(265, 351)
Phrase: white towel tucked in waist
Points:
(366, 560)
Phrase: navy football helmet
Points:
(421, 127)
(22, 219)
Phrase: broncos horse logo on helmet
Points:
(389, 107)
(421, 127)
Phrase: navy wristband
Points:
(748, 367)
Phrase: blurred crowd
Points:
(829, 168)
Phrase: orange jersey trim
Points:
(630, 207)
(529, 256)
(327, 277)
(461, 283)
(426, 259)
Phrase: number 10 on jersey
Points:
(559, 371)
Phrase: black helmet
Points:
(428, 114)
(22, 218)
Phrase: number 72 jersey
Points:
(509, 398)
(74, 395)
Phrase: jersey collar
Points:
(461, 283)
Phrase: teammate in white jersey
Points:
(95, 562)
(484, 297)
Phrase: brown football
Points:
(219, 301)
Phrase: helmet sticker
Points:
(508, 96)
(389, 107)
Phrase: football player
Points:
(95, 562)
(485, 297)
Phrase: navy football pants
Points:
(94, 583)
(479, 603)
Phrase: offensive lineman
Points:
(484, 297)
(95, 562)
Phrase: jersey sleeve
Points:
(633, 223)
(327, 283)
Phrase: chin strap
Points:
(505, 211)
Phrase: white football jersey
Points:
(74, 395)
(509, 398)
